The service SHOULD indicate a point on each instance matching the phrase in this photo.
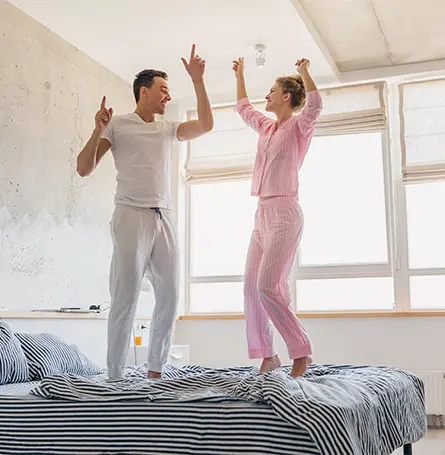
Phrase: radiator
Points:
(434, 391)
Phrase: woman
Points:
(282, 146)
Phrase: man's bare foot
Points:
(270, 364)
(300, 366)
(154, 375)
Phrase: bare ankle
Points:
(154, 375)
(270, 363)
(271, 358)
(300, 366)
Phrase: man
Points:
(144, 227)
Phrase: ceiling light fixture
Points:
(260, 59)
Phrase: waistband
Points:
(157, 208)
(277, 201)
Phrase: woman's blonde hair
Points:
(295, 87)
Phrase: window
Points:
(221, 221)
(346, 294)
(425, 203)
(427, 292)
(226, 153)
(423, 148)
(344, 262)
(423, 130)
(216, 297)
(371, 239)
(342, 194)
(221, 213)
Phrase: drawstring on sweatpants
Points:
(158, 211)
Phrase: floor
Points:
(432, 444)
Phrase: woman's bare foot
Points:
(269, 364)
(300, 366)
(154, 375)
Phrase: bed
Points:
(335, 410)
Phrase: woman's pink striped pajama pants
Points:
(273, 246)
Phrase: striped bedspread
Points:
(345, 410)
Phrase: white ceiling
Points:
(366, 34)
(129, 35)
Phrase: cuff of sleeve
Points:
(175, 131)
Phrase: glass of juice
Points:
(138, 336)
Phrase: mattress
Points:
(30, 425)
(345, 410)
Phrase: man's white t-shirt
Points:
(142, 154)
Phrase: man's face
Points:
(157, 96)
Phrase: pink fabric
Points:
(278, 228)
(281, 151)
(274, 242)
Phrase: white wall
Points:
(415, 344)
(409, 343)
(90, 335)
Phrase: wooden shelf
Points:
(332, 315)
(216, 317)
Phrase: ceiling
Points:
(342, 38)
(366, 34)
(129, 35)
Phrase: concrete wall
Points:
(54, 226)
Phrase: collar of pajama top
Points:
(281, 151)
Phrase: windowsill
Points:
(226, 316)
(326, 315)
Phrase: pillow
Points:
(13, 364)
(48, 355)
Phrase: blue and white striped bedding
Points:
(13, 364)
(30, 425)
(335, 410)
(46, 355)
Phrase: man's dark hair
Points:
(145, 79)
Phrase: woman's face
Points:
(275, 98)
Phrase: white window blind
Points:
(228, 152)
(352, 109)
(423, 130)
